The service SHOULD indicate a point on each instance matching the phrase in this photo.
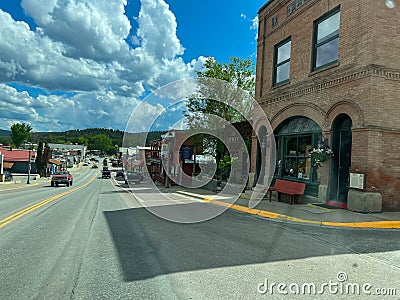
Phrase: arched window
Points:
(294, 138)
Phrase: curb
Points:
(276, 216)
(395, 224)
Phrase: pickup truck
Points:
(105, 173)
(61, 177)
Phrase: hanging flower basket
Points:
(320, 155)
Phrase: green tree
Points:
(216, 99)
(101, 142)
(39, 159)
(20, 133)
(46, 157)
(4, 140)
(226, 165)
(82, 140)
(238, 71)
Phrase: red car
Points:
(62, 177)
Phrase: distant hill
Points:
(72, 136)
(5, 133)
(142, 138)
(75, 136)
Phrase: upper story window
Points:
(326, 39)
(282, 62)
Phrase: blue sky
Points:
(75, 64)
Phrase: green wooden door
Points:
(341, 160)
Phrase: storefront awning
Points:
(7, 165)
(55, 162)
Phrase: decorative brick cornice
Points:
(371, 70)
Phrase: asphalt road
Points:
(98, 242)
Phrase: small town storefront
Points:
(296, 137)
(312, 62)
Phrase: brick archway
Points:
(348, 107)
(306, 109)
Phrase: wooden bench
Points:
(291, 188)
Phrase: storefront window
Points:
(294, 139)
(297, 158)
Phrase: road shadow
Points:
(149, 246)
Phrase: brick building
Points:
(171, 151)
(328, 74)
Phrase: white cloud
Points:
(143, 117)
(254, 23)
(254, 26)
(390, 4)
(82, 46)
(94, 29)
(51, 113)
(157, 30)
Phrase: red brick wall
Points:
(364, 84)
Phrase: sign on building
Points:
(186, 152)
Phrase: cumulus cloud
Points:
(94, 29)
(157, 30)
(87, 47)
(19, 106)
(82, 110)
(34, 59)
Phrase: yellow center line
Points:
(35, 206)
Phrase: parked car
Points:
(61, 177)
(133, 177)
(119, 174)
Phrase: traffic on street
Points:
(97, 240)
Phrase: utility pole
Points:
(29, 165)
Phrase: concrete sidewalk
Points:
(301, 213)
(21, 182)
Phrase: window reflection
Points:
(284, 52)
(328, 28)
(282, 62)
(327, 53)
(282, 72)
(326, 41)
